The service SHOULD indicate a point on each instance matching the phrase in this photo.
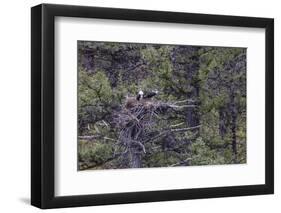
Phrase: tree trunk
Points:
(222, 122)
(187, 67)
(135, 150)
(192, 114)
(135, 158)
(233, 127)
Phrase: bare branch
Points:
(141, 145)
(92, 137)
(136, 123)
(186, 129)
(184, 101)
(181, 163)
(175, 125)
(182, 106)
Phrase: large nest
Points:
(137, 126)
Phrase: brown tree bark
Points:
(233, 127)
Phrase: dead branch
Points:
(186, 129)
(164, 132)
(184, 101)
(181, 162)
(141, 145)
(136, 123)
(179, 124)
(182, 106)
(92, 137)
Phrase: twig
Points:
(182, 106)
(175, 125)
(91, 137)
(141, 145)
(106, 124)
(185, 129)
(183, 101)
(172, 130)
(180, 163)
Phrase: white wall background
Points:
(15, 105)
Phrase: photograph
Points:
(143, 105)
(134, 105)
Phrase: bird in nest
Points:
(142, 98)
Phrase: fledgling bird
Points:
(150, 94)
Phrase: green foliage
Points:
(96, 154)
(203, 155)
(161, 159)
(94, 89)
(213, 78)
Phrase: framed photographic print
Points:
(140, 106)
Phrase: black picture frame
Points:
(43, 102)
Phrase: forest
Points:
(158, 105)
